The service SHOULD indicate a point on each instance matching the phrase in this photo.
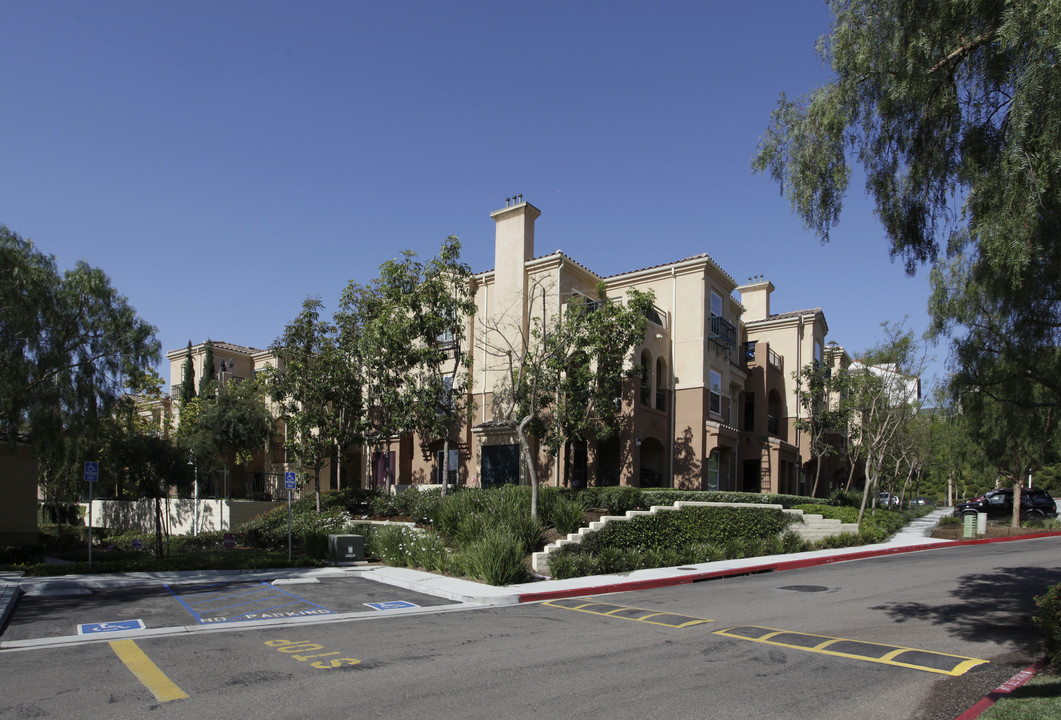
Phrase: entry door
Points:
(500, 465)
(379, 468)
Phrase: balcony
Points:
(723, 334)
(776, 361)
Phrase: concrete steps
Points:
(809, 527)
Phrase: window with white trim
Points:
(715, 404)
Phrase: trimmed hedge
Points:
(1049, 620)
(686, 526)
(669, 497)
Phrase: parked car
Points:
(999, 504)
(887, 500)
(918, 501)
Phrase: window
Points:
(712, 470)
(446, 339)
(452, 474)
(749, 412)
(646, 380)
(716, 304)
(661, 384)
(446, 401)
(716, 393)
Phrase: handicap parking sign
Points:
(393, 605)
(104, 627)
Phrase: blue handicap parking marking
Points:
(393, 605)
(242, 601)
(115, 626)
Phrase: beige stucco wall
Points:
(140, 514)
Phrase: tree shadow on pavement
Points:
(995, 606)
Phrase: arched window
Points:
(646, 378)
(661, 384)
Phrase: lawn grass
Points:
(1038, 699)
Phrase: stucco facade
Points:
(715, 407)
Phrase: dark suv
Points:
(999, 504)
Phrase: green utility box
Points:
(346, 548)
(968, 525)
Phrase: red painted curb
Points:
(777, 566)
(1002, 691)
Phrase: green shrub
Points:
(949, 520)
(669, 497)
(496, 557)
(1049, 620)
(616, 500)
(846, 498)
(465, 516)
(562, 510)
(678, 528)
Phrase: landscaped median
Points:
(488, 535)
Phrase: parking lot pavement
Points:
(54, 608)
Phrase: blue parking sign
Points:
(105, 627)
(91, 471)
(289, 481)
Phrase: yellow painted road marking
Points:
(896, 655)
(146, 671)
(625, 612)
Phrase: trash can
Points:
(346, 548)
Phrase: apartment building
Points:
(715, 407)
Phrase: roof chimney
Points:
(513, 245)
(755, 297)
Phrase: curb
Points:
(775, 566)
(9, 592)
(1002, 690)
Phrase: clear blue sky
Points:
(223, 160)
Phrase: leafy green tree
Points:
(949, 108)
(380, 328)
(1015, 440)
(233, 422)
(317, 389)
(143, 460)
(188, 377)
(207, 380)
(562, 371)
(439, 384)
(826, 416)
(589, 376)
(885, 395)
(69, 345)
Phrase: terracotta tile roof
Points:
(222, 345)
(782, 316)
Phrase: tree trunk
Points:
(1015, 522)
(158, 527)
(817, 475)
(444, 469)
(532, 471)
(317, 487)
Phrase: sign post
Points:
(91, 477)
(289, 483)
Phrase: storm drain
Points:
(805, 588)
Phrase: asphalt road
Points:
(919, 635)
